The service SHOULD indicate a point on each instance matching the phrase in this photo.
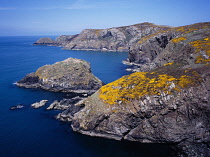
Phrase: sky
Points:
(58, 17)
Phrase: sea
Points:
(28, 132)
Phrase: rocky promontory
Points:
(169, 105)
(166, 101)
(70, 75)
(110, 39)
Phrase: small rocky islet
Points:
(166, 99)
(70, 75)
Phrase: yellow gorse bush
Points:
(136, 85)
(202, 45)
(177, 40)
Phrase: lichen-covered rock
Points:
(70, 75)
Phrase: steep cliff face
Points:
(168, 105)
(70, 75)
(187, 44)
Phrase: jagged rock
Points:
(39, 104)
(70, 75)
(64, 104)
(53, 105)
(73, 108)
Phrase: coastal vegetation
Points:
(141, 84)
(203, 48)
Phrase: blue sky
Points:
(56, 17)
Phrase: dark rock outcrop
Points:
(68, 114)
(70, 75)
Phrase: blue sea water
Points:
(31, 132)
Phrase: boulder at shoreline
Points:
(39, 104)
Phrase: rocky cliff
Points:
(111, 39)
(70, 75)
(168, 105)
(168, 101)
(188, 44)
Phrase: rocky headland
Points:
(111, 39)
(166, 100)
(70, 75)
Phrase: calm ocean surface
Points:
(30, 132)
